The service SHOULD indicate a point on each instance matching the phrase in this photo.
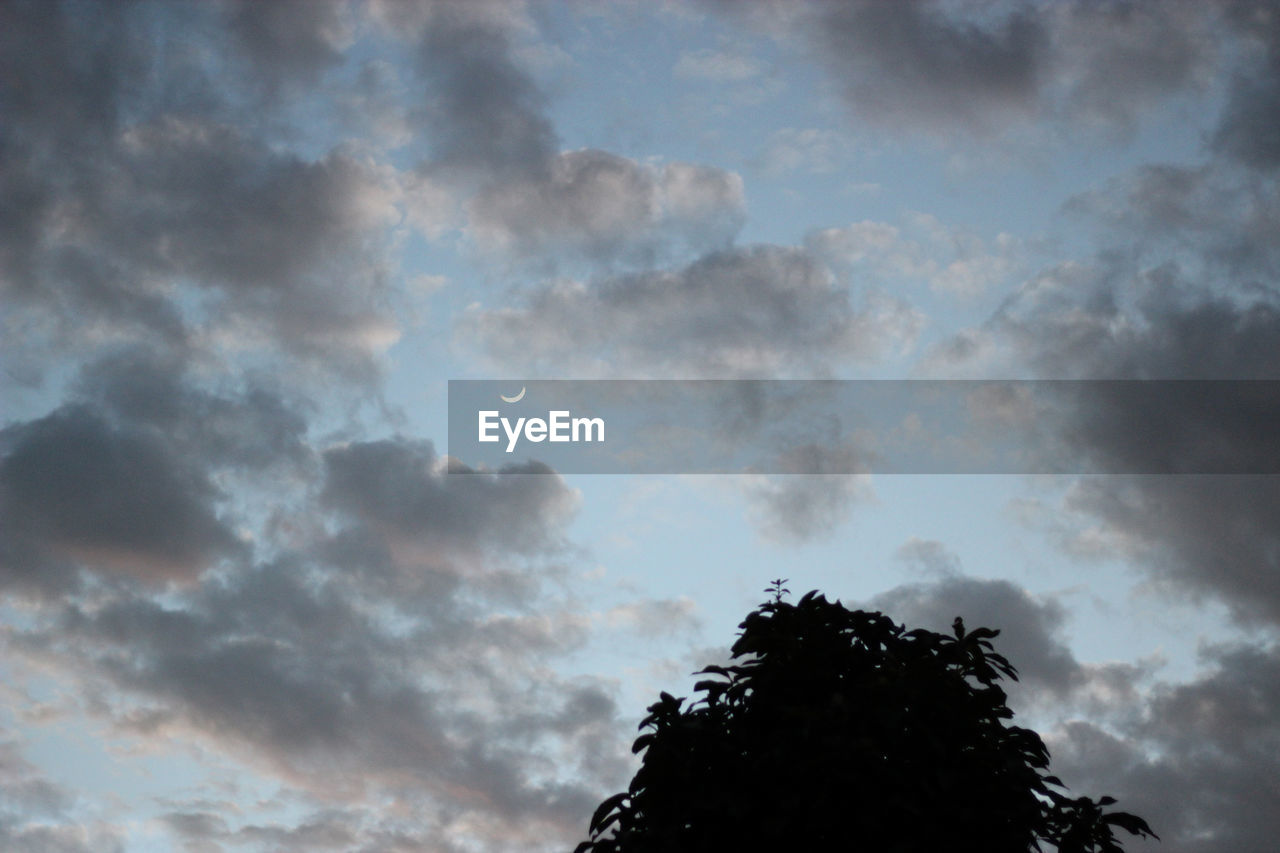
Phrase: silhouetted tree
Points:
(840, 730)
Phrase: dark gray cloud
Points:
(401, 656)
(1200, 763)
(1053, 685)
(26, 791)
(1030, 628)
(64, 85)
(1183, 288)
(326, 829)
(200, 200)
(910, 61)
(252, 426)
(131, 177)
(1214, 535)
(75, 487)
(1111, 62)
(311, 675)
(401, 487)
(1208, 221)
(1247, 128)
(1115, 318)
(485, 114)
(430, 689)
(289, 41)
(122, 477)
(486, 117)
(749, 311)
(985, 70)
(148, 203)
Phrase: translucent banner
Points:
(868, 426)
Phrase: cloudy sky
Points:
(244, 245)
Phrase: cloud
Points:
(1247, 128)
(952, 260)
(74, 487)
(1030, 628)
(909, 61)
(803, 507)
(929, 558)
(328, 829)
(486, 114)
(602, 206)
(39, 816)
(394, 649)
(491, 139)
(717, 66)
(1192, 534)
(430, 691)
(403, 489)
(249, 427)
(137, 193)
(943, 67)
(295, 40)
(26, 791)
(1209, 219)
(1199, 763)
(131, 475)
(1198, 534)
(796, 508)
(300, 674)
(654, 617)
(807, 149)
(1112, 62)
(748, 311)
(1178, 292)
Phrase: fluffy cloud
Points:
(254, 427)
(1247, 129)
(602, 206)
(129, 181)
(804, 507)
(300, 674)
(486, 114)
(38, 816)
(750, 311)
(1200, 763)
(1029, 628)
(944, 67)
(1179, 293)
(76, 488)
(130, 474)
(405, 491)
(288, 42)
(907, 60)
(399, 657)
(1196, 534)
(953, 260)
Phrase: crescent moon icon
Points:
(516, 399)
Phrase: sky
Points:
(244, 604)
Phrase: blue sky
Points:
(245, 245)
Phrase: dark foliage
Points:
(840, 730)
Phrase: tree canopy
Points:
(838, 729)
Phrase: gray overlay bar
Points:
(867, 426)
